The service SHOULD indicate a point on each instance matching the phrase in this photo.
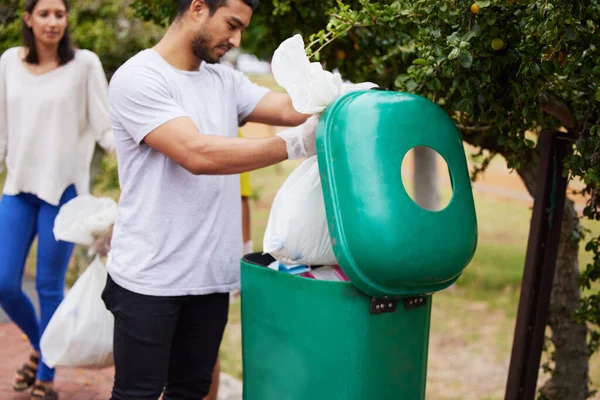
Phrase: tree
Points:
(503, 70)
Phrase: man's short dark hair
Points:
(213, 5)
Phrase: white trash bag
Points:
(80, 334)
(297, 231)
(84, 217)
(310, 87)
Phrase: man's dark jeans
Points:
(164, 343)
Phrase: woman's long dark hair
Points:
(65, 50)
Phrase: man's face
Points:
(221, 31)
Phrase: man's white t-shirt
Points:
(176, 234)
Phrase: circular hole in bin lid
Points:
(426, 178)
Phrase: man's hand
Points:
(300, 140)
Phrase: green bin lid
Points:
(386, 243)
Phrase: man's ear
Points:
(197, 8)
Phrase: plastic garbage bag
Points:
(80, 333)
(297, 231)
(84, 217)
(310, 87)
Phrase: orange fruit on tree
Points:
(497, 44)
(475, 8)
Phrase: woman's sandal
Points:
(26, 375)
(41, 392)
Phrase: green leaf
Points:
(465, 59)
(548, 67)
(598, 94)
(485, 64)
(596, 70)
(400, 79)
(453, 40)
(483, 3)
(471, 34)
(530, 143)
(463, 105)
(454, 54)
(420, 61)
(411, 85)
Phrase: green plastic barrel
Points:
(305, 339)
(317, 340)
(384, 241)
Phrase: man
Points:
(176, 243)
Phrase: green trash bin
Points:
(368, 338)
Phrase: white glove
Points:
(300, 140)
(348, 87)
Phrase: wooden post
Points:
(540, 263)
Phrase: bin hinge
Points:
(414, 302)
(380, 306)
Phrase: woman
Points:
(53, 107)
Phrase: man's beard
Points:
(201, 48)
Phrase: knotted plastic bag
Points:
(80, 333)
(297, 231)
(310, 87)
(84, 217)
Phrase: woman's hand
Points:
(101, 245)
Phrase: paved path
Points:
(72, 384)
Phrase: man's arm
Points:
(276, 109)
(200, 154)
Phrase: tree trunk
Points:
(425, 179)
(569, 379)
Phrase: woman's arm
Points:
(3, 114)
(98, 105)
